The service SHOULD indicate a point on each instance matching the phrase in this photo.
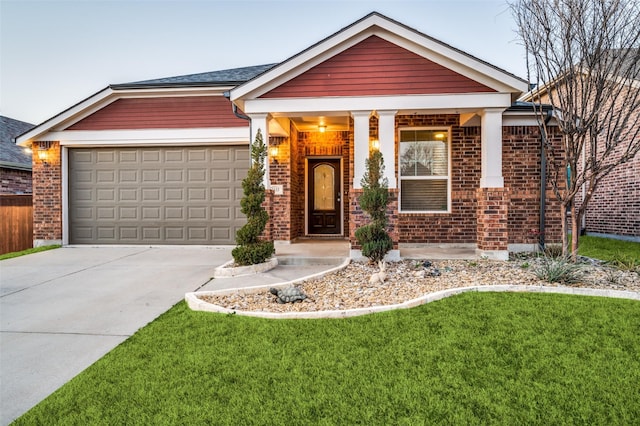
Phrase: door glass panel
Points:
(323, 192)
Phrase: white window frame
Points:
(443, 129)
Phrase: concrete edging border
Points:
(197, 304)
(224, 271)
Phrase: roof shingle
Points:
(10, 153)
(223, 77)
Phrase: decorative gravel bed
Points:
(349, 288)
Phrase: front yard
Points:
(475, 358)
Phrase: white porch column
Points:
(491, 134)
(387, 139)
(360, 145)
(261, 121)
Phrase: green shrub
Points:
(252, 254)
(250, 249)
(558, 270)
(373, 238)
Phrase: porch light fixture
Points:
(273, 153)
(322, 128)
(439, 135)
(375, 145)
(43, 148)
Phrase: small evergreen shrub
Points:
(373, 238)
(250, 249)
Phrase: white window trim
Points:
(448, 177)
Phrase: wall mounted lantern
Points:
(273, 153)
(43, 151)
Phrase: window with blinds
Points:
(424, 170)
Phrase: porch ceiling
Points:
(311, 123)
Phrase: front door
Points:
(324, 196)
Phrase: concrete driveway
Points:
(61, 310)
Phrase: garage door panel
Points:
(150, 156)
(128, 156)
(187, 195)
(103, 177)
(197, 154)
(197, 175)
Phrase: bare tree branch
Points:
(583, 56)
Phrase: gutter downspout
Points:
(234, 108)
(543, 180)
(238, 114)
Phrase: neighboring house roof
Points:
(231, 76)
(13, 156)
(629, 70)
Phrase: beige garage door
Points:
(185, 195)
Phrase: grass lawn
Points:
(624, 254)
(608, 248)
(476, 358)
(28, 251)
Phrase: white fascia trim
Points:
(517, 118)
(101, 100)
(77, 138)
(452, 102)
(37, 132)
(390, 31)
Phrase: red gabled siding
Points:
(376, 67)
(163, 113)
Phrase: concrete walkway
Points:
(62, 310)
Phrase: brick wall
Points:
(14, 181)
(459, 226)
(521, 170)
(615, 205)
(279, 173)
(47, 194)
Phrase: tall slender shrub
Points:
(373, 237)
(251, 249)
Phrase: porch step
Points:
(306, 261)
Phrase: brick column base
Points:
(358, 218)
(493, 230)
(47, 194)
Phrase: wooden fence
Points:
(16, 223)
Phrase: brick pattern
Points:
(14, 181)
(493, 217)
(614, 207)
(521, 170)
(459, 226)
(47, 194)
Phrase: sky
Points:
(53, 54)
